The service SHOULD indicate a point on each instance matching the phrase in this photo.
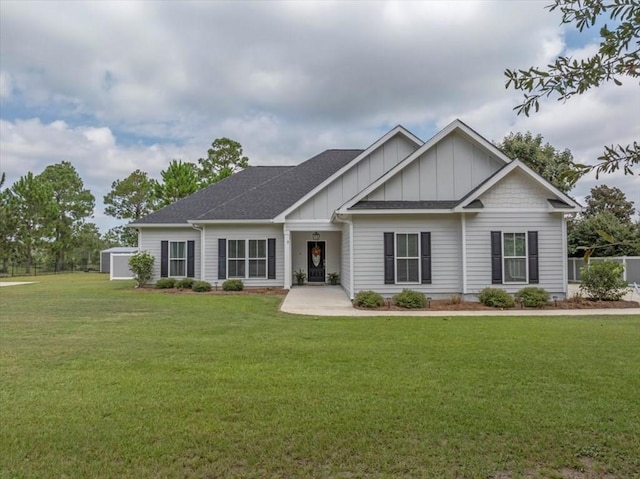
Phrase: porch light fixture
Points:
(315, 236)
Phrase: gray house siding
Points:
(212, 233)
(151, 238)
(445, 251)
(551, 258)
(343, 188)
(447, 171)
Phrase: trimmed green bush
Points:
(201, 286)
(233, 285)
(496, 298)
(141, 264)
(602, 281)
(185, 283)
(532, 297)
(410, 299)
(368, 299)
(166, 283)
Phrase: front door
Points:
(315, 261)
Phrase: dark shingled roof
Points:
(256, 193)
(201, 201)
(405, 205)
(272, 197)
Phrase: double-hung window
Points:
(257, 258)
(247, 258)
(177, 258)
(407, 258)
(237, 259)
(514, 257)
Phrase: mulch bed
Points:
(446, 305)
(220, 292)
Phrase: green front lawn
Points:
(101, 380)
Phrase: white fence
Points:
(119, 267)
(631, 267)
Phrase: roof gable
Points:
(408, 188)
(555, 198)
(398, 131)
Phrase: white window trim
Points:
(184, 259)
(525, 257)
(396, 258)
(247, 258)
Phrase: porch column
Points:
(287, 259)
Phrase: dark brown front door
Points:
(315, 261)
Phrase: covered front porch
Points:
(316, 250)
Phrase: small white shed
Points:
(115, 261)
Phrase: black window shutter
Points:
(222, 258)
(532, 247)
(425, 249)
(164, 259)
(389, 258)
(496, 257)
(191, 259)
(271, 258)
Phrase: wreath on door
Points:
(316, 252)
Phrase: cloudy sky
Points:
(115, 86)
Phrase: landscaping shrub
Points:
(532, 297)
(602, 281)
(166, 283)
(496, 298)
(141, 264)
(185, 283)
(201, 286)
(233, 285)
(409, 299)
(368, 299)
(455, 299)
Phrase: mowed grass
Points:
(101, 380)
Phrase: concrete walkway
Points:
(16, 283)
(332, 301)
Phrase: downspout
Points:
(202, 237)
(351, 259)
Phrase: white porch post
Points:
(287, 258)
(463, 225)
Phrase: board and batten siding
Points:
(447, 171)
(551, 260)
(361, 175)
(151, 238)
(446, 247)
(243, 232)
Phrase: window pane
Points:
(240, 249)
(177, 249)
(401, 246)
(262, 248)
(232, 249)
(177, 267)
(253, 249)
(412, 245)
(257, 268)
(412, 270)
(515, 270)
(403, 276)
(520, 247)
(508, 244)
(236, 268)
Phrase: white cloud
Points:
(126, 85)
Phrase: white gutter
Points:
(351, 259)
(197, 228)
